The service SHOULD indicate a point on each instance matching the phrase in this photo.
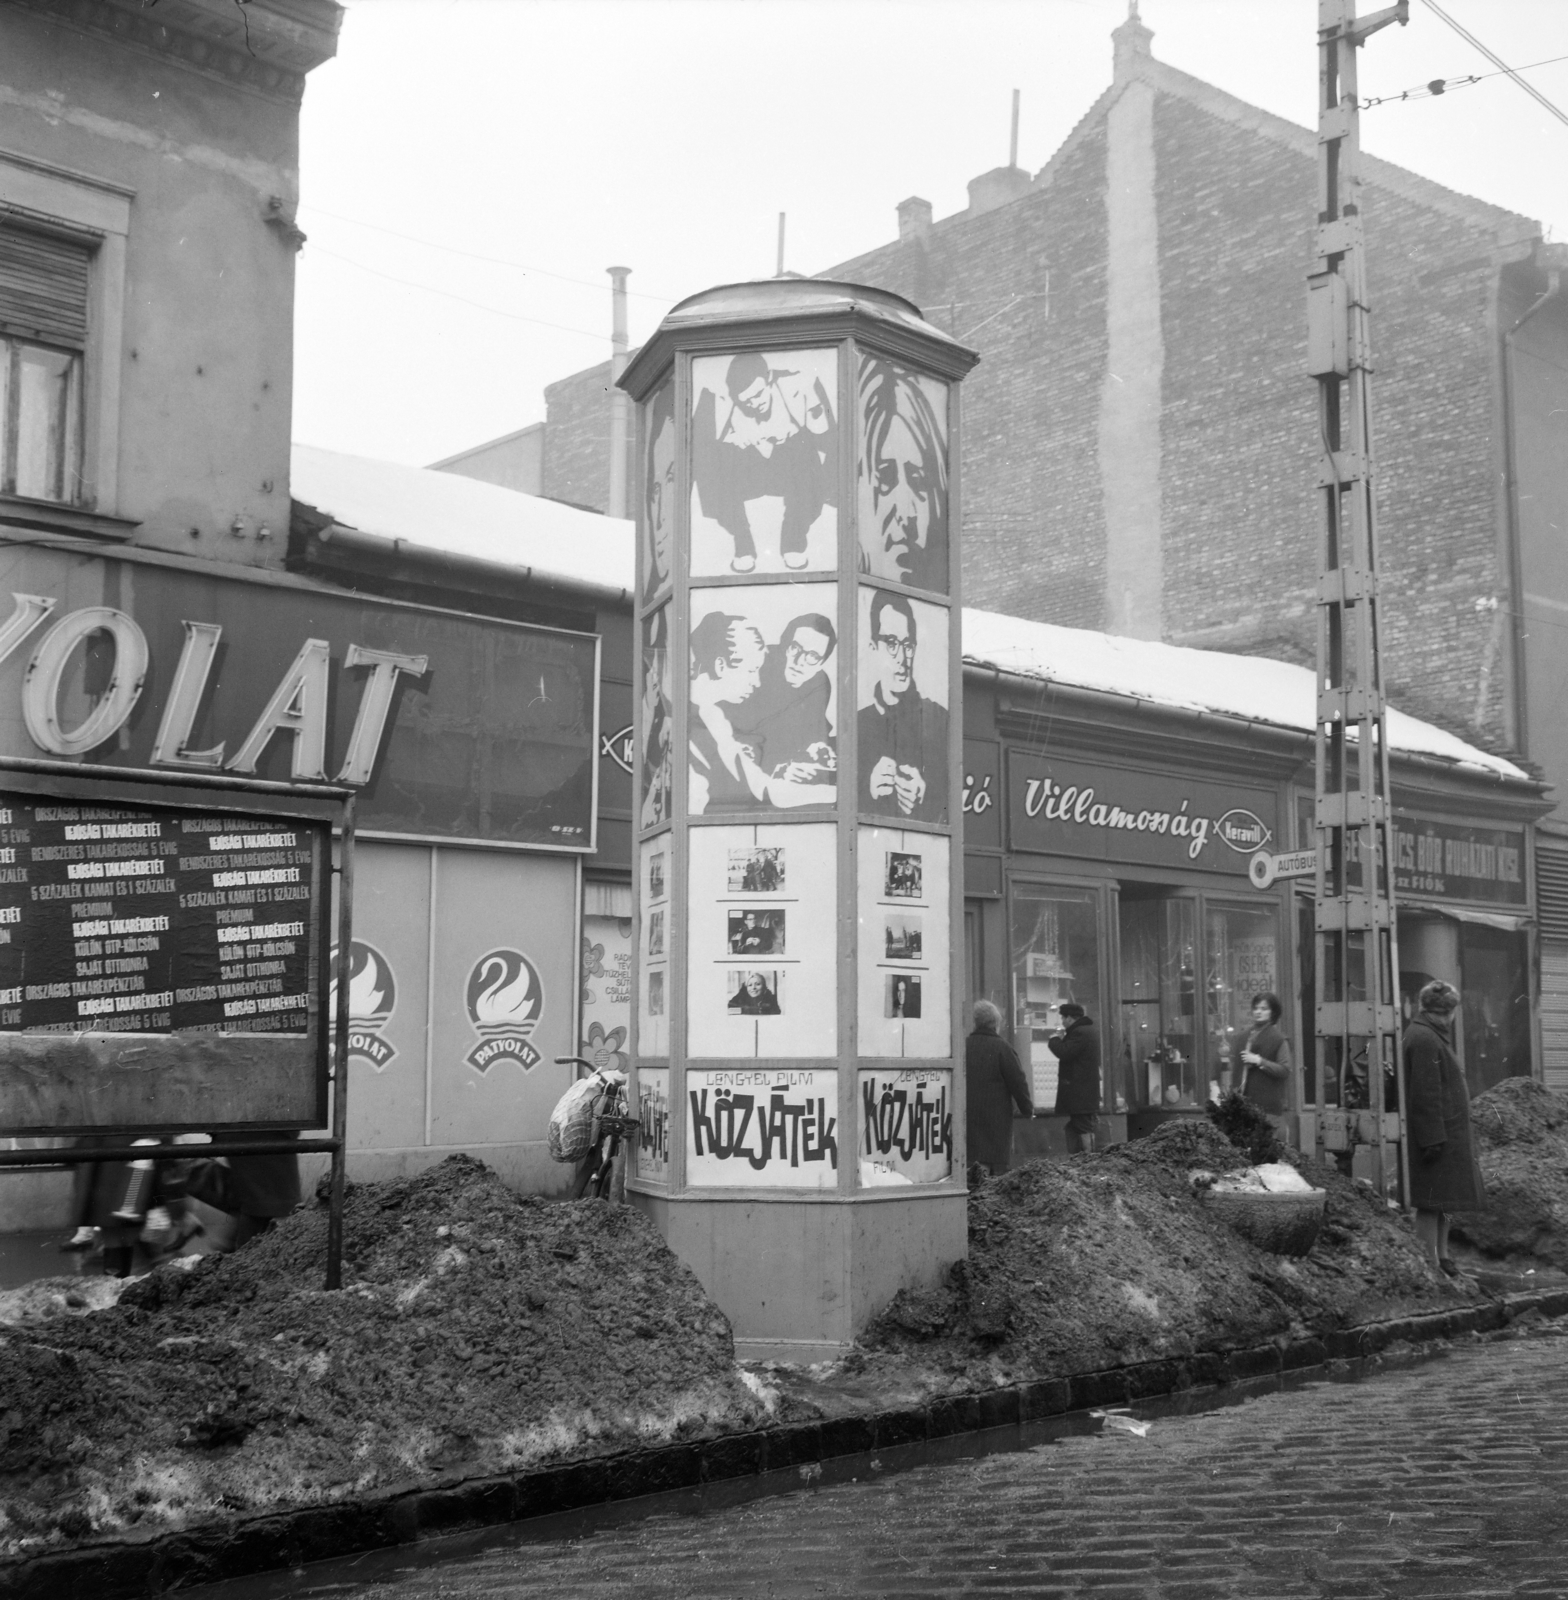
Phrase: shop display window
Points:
(1055, 958)
(1241, 946)
(1159, 990)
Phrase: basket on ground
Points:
(1285, 1224)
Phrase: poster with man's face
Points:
(901, 475)
(658, 492)
(764, 462)
(902, 716)
(657, 722)
(762, 733)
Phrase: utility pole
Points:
(620, 406)
(1357, 1022)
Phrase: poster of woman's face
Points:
(902, 720)
(902, 475)
(901, 995)
(658, 491)
(756, 931)
(755, 993)
(763, 726)
(764, 462)
(657, 720)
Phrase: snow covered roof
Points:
(444, 513)
(1251, 687)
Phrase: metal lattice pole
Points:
(1357, 1024)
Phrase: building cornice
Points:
(265, 46)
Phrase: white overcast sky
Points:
(559, 137)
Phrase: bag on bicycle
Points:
(570, 1135)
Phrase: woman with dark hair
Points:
(1444, 1175)
(1263, 1062)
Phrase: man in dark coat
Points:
(1077, 1050)
(995, 1083)
(1444, 1174)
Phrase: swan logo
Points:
(372, 993)
(505, 1002)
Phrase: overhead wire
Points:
(1496, 60)
(1436, 86)
(462, 299)
(476, 255)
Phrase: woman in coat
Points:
(1444, 1174)
(995, 1083)
(1263, 1063)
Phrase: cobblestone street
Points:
(1444, 1479)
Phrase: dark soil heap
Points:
(1108, 1259)
(478, 1332)
(1522, 1144)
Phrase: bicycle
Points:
(601, 1173)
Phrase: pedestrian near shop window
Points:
(1077, 1051)
(1444, 1174)
(1264, 1063)
(994, 1083)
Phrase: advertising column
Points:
(796, 798)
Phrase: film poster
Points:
(902, 707)
(658, 493)
(653, 1010)
(904, 1007)
(901, 475)
(764, 462)
(904, 1126)
(762, 1129)
(761, 975)
(653, 1113)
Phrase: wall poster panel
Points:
(903, 706)
(761, 976)
(653, 1010)
(763, 725)
(762, 1129)
(905, 1126)
(657, 721)
(653, 1111)
(905, 1004)
(902, 475)
(764, 462)
(658, 470)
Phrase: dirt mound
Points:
(1109, 1259)
(1522, 1144)
(478, 1331)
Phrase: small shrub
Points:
(1247, 1127)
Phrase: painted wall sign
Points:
(1451, 861)
(505, 1002)
(982, 799)
(1078, 808)
(770, 1129)
(372, 997)
(164, 668)
(116, 920)
(906, 1127)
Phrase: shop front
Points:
(1109, 827)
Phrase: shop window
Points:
(1241, 947)
(1159, 991)
(43, 333)
(1496, 1008)
(1055, 958)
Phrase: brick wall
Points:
(577, 439)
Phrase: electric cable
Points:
(1436, 86)
(1496, 60)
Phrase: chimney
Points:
(996, 187)
(1132, 43)
(914, 219)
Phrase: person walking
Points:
(994, 1083)
(1444, 1173)
(1264, 1064)
(1077, 1050)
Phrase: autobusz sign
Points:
(448, 726)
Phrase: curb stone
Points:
(238, 1547)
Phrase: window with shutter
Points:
(43, 336)
(1551, 888)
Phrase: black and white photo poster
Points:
(902, 713)
(905, 983)
(901, 475)
(653, 1012)
(762, 967)
(764, 462)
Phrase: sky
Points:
(470, 168)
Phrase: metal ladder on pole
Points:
(1357, 1023)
